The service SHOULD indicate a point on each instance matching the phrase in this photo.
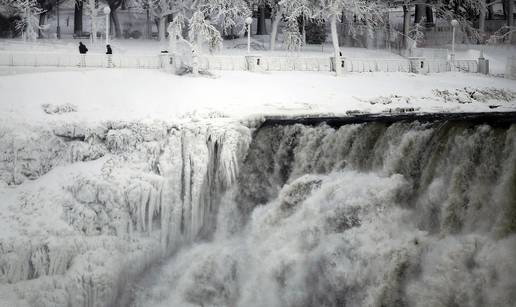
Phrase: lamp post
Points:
(454, 24)
(107, 11)
(58, 29)
(249, 21)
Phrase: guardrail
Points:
(377, 65)
(78, 60)
(438, 66)
(236, 63)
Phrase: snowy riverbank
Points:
(104, 94)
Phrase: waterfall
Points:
(404, 214)
(380, 213)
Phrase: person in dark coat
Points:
(82, 48)
(109, 50)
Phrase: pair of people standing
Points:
(83, 50)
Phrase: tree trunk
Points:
(93, 33)
(335, 41)
(199, 44)
(116, 23)
(148, 26)
(42, 22)
(77, 18)
(510, 20)
(406, 26)
(274, 31)
(420, 12)
(482, 17)
(260, 26)
(162, 28)
(490, 11)
(429, 15)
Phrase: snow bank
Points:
(104, 95)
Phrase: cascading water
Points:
(405, 214)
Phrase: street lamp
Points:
(107, 11)
(58, 29)
(249, 21)
(454, 24)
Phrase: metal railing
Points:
(377, 65)
(296, 63)
(235, 63)
(438, 66)
(79, 60)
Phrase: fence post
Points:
(483, 64)
(510, 70)
(417, 64)
(254, 62)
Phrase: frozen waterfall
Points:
(407, 213)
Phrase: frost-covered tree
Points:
(114, 5)
(175, 31)
(369, 13)
(28, 24)
(8, 8)
(465, 12)
(293, 38)
(294, 10)
(277, 12)
(194, 18)
(417, 34)
(161, 10)
(93, 9)
(200, 30)
(276, 15)
(229, 14)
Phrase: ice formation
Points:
(201, 214)
(99, 205)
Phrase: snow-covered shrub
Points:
(59, 109)
(469, 95)
(28, 156)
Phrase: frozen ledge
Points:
(491, 118)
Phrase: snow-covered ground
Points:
(112, 94)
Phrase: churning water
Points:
(405, 214)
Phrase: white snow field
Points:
(112, 94)
(111, 181)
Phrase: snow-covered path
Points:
(116, 94)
